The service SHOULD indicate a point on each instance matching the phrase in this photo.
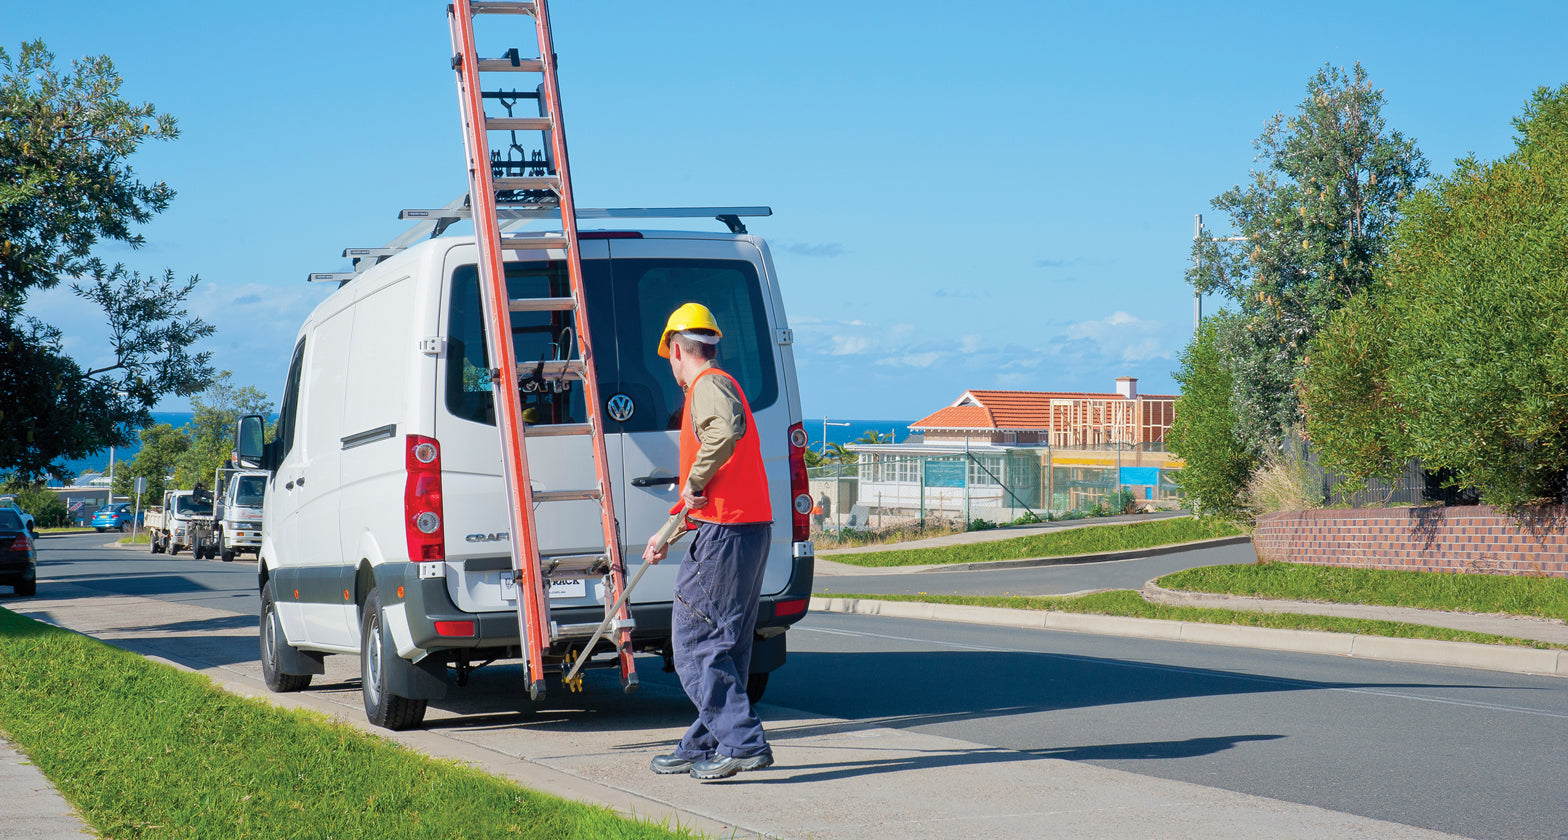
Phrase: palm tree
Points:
(874, 436)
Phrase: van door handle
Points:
(655, 480)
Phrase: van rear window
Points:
(536, 336)
(629, 301)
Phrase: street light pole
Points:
(1197, 257)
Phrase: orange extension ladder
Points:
(491, 180)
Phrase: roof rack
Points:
(432, 222)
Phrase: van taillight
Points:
(799, 486)
(422, 513)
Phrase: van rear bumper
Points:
(427, 605)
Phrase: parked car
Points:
(113, 517)
(18, 558)
(27, 518)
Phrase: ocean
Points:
(839, 430)
(100, 461)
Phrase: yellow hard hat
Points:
(690, 316)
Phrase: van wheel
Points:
(271, 644)
(756, 685)
(382, 707)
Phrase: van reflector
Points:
(422, 512)
(455, 628)
(783, 609)
(799, 485)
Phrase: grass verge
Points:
(1125, 602)
(1090, 540)
(1533, 596)
(139, 538)
(145, 750)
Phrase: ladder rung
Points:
(566, 495)
(552, 370)
(533, 243)
(565, 304)
(574, 566)
(495, 7)
(537, 182)
(505, 65)
(572, 631)
(558, 430)
(518, 124)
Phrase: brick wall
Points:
(1455, 539)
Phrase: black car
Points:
(18, 558)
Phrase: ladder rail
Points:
(531, 604)
(612, 538)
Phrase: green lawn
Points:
(147, 751)
(1089, 540)
(1477, 593)
(1128, 603)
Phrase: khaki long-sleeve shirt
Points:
(718, 418)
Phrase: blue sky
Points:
(991, 195)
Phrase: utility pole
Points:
(1197, 257)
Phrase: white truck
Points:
(184, 521)
(241, 494)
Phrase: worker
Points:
(724, 498)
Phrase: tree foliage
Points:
(1460, 356)
(65, 185)
(162, 448)
(211, 430)
(1316, 219)
(1218, 462)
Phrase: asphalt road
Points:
(1470, 753)
(1035, 580)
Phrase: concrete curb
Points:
(1514, 660)
(850, 569)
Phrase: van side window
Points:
(536, 336)
(648, 290)
(288, 413)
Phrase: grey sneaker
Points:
(666, 765)
(723, 766)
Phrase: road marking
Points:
(1151, 666)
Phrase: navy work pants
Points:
(715, 616)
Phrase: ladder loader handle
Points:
(609, 616)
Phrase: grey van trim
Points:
(370, 436)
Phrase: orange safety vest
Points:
(738, 491)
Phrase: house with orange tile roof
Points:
(1026, 451)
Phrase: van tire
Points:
(756, 686)
(271, 644)
(382, 707)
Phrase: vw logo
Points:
(621, 408)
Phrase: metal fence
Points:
(881, 491)
(1412, 486)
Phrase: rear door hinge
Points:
(432, 346)
(785, 336)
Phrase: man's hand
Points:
(657, 550)
(693, 499)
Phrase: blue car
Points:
(112, 518)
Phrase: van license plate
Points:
(569, 589)
(508, 587)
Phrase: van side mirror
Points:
(249, 440)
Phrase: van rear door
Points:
(474, 498)
(652, 277)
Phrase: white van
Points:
(396, 358)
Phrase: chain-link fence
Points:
(884, 491)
